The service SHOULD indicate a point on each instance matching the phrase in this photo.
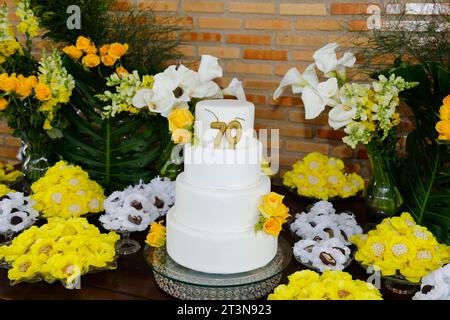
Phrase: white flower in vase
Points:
(316, 96)
(327, 61)
(161, 101)
(235, 89)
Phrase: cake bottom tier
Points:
(218, 252)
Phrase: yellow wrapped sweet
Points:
(398, 246)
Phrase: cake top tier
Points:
(212, 116)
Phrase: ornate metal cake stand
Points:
(187, 284)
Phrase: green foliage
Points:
(116, 152)
(53, 17)
(152, 40)
(417, 37)
(425, 179)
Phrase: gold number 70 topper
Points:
(227, 129)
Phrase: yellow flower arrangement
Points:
(59, 250)
(443, 126)
(66, 191)
(322, 177)
(398, 246)
(157, 235)
(8, 174)
(86, 50)
(331, 285)
(4, 190)
(273, 214)
(180, 118)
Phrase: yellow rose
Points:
(181, 136)
(443, 127)
(73, 52)
(272, 206)
(121, 71)
(157, 235)
(180, 119)
(92, 49)
(8, 84)
(3, 104)
(31, 81)
(43, 92)
(91, 60)
(108, 60)
(104, 49)
(83, 43)
(446, 101)
(272, 226)
(117, 50)
(22, 27)
(444, 112)
(23, 89)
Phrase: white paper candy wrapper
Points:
(325, 236)
(136, 207)
(16, 213)
(435, 285)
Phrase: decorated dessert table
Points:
(134, 280)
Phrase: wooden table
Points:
(133, 279)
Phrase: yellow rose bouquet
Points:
(400, 247)
(321, 177)
(273, 214)
(61, 250)
(331, 285)
(66, 191)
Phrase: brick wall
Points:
(258, 41)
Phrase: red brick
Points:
(299, 116)
(303, 55)
(219, 23)
(273, 114)
(250, 68)
(220, 52)
(8, 152)
(203, 6)
(301, 146)
(296, 131)
(296, 40)
(248, 39)
(252, 7)
(12, 142)
(201, 36)
(267, 24)
(342, 151)
(256, 99)
(166, 6)
(303, 9)
(349, 8)
(275, 55)
(260, 84)
(330, 134)
(316, 24)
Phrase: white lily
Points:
(341, 115)
(209, 68)
(235, 89)
(315, 99)
(297, 80)
(327, 61)
(161, 101)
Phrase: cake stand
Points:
(187, 284)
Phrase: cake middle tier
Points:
(216, 209)
(223, 168)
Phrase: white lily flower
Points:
(235, 89)
(193, 87)
(327, 61)
(161, 101)
(340, 116)
(209, 68)
(297, 81)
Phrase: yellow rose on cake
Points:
(180, 118)
(273, 214)
(157, 235)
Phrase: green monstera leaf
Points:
(116, 151)
(425, 178)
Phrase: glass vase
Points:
(34, 156)
(126, 245)
(382, 194)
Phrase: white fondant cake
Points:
(211, 228)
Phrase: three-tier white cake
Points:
(211, 228)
